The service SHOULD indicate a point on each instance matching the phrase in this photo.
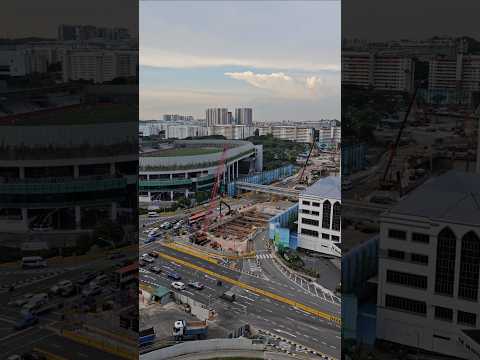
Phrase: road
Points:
(251, 306)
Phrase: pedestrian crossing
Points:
(263, 256)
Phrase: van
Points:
(33, 262)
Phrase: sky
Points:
(282, 58)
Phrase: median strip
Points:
(265, 293)
(191, 252)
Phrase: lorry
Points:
(147, 336)
(185, 330)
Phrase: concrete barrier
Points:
(213, 345)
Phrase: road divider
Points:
(308, 309)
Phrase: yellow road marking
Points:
(49, 355)
(192, 252)
(265, 293)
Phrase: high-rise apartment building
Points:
(177, 117)
(216, 116)
(244, 116)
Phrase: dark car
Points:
(26, 322)
(155, 269)
(86, 278)
(142, 263)
(174, 276)
(153, 254)
(196, 285)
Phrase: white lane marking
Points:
(284, 332)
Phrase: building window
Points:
(316, 204)
(306, 202)
(406, 279)
(335, 238)
(441, 337)
(396, 254)
(310, 232)
(443, 313)
(397, 234)
(325, 236)
(419, 259)
(336, 217)
(327, 207)
(310, 222)
(445, 269)
(316, 213)
(469, 267)
(421, 238)
(466, 318)
(404, 304)
(305, 211)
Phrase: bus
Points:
(126, 275)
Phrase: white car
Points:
(148, 259)
(61, 286)
(177, 285)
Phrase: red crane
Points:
(218, 178)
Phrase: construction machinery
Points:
(386, 182)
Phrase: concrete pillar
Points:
(171, 195)
(25, 217)
(186, 175)
(186, 193)
(78, 218)
(171, 177)
(112, 169)
(113, 215)
(76, 171)
(21, 172)
(237, 167)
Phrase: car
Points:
(92, 290)
(86, 278)
(26, 322)
(32, 305)
(155, 269)
(149, 240)
(153, 254)
(142, 263)
(100, 280)
(196, 285)
(177, 285)
(23, 300)
(174, 276)
(148, 259)
(60, 286)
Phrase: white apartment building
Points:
(429, 263)
(330, 135)
(288, 132)
(379, 70)
(232, 132)
(217, 116)
(172, 130)
(99, 65)
(319, 217)
(244, 116)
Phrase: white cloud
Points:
(283, 85)
(159, 58)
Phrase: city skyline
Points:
(282, 74)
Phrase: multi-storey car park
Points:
(65, 170)
(180, 168)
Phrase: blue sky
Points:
(281, 58)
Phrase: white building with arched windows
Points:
(429, 268)
(319, 217)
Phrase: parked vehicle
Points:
(33, 262)
(147, 336)
(142, 263)
(100, 280)
(177, 285)
(61, 286)
(92, 290)
(86, 278)
(23, 300)
(153, 254)
(184, 330)
(148, 259)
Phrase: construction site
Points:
(234, 232)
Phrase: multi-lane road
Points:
(272, 304)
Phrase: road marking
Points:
(284, 332)
(265, 293)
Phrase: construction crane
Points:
(201, 235)
(388, 184)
